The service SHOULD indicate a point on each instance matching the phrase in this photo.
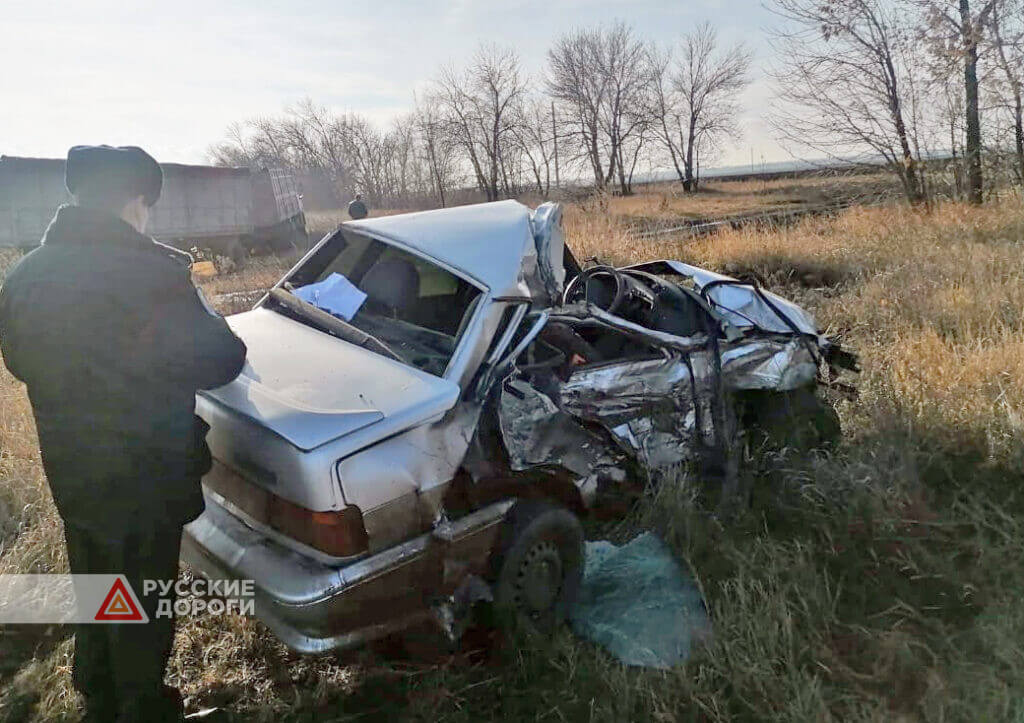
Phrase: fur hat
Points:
(126, 168)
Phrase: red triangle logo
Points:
(119, 605)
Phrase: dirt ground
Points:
(878, 581)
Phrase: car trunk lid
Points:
(311, 388)
(304, 401)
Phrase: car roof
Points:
(489, 242)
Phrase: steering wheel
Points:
(579, 287)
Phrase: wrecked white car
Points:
(431, 400)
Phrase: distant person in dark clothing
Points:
(105, 328)
(357, 209)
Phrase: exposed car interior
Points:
(638, 297)
(413, 306)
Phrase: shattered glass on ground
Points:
(639, 604)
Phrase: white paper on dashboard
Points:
(335, 295)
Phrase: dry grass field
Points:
(720, 198)
(880, 581)
(320, 223)
(667, 203)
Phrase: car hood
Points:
(312, 388)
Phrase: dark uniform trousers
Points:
(118, 666)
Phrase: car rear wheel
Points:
(537, 566)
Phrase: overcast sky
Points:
(171, 75)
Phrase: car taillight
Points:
(339, 533)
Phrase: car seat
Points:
(392, 287)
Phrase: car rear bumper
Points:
(315, 607)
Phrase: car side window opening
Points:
(412, 305)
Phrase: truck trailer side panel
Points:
(200, 202)
(197, 202)
(31, 189)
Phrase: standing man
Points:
(104, 326)
(357, 209)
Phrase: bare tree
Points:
(580, 92)
(403, 174)
(481, 107)
(624, 119)
(317, 140)
(597, 78)
(1006, 36)
(951, 117)
(436, 148)
(843, 81)
(479, 125)
(367, 150)
(411, 159)
(633, 146)
(535, 137)
(693, 96)
(956, 30)
(256, 143)
(305, 137)
(234, 150)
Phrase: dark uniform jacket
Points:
(112, 339)
(357, 210)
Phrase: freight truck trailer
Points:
(217, 211)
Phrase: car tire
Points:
(537, 566)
